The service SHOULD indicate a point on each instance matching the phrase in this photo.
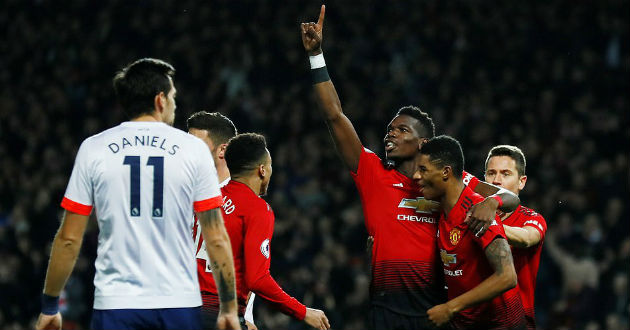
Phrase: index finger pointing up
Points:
(322, 12)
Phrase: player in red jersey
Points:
(406, 279)
(249, 221)
(215, 130)
(479, 273)
(525, 228)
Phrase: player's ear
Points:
(159, 101)
(222, 148)
(262, 172)
(422, 142)
(446, 172)
(521, 182)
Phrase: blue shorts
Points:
(164, 318)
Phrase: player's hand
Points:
(481, 215)
(440, 314)
(228, 321)
(52, 322)
(316, 319)
(250, 326)
(312, 35)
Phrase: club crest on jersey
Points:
(454, 236)
(264, 248)
(448, 258)
(420, 204)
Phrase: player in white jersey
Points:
(215, 130)
(144, 178)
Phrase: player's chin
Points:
(428, 193)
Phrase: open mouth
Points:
(389, 146)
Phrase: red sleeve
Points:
(470, 180)
(208, 204)
(537, 222)
(365, 171)
(75, 207)
(494, 231)
(258, 233)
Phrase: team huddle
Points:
(185, 235)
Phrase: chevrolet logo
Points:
(420, 204)
(448, 258)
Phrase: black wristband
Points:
(50, 304)
(319, 75)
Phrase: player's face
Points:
(265, 183)
(402, 138)
(428, 177)
(203, 135)
(501, 171)
(169, 108)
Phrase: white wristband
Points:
(317, 61)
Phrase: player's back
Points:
(240, 206)
(144, 177)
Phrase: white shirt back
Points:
(143, 178)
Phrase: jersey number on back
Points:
(134, 184)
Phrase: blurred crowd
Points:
(548, 76)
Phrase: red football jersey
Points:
(527, 260)
(249, 221)
(465, 266)
(405, 261)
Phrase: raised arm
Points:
(343, 133)
(63, 256)
(504, 278)
(220, 252)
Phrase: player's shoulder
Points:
(529, 213)
(370, 155)
(261, 205)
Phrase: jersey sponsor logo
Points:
(454, 236)
(420, 204)
(422, 218)
(264, 248)
(448, 258)
(454, 273)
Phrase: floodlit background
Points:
(548, 76)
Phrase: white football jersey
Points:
(144, 179)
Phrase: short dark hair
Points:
(445, 151)
(427, 128)
(513, 152)
(245, 152)
(138, 83)
(220, 128)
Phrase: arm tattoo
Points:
(226, 292)
(499, 255)
(211, 218)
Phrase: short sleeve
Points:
(207, 194)
(368, 161)
(470, 180)
(79, 197)
(494, 231)
(537, 222)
